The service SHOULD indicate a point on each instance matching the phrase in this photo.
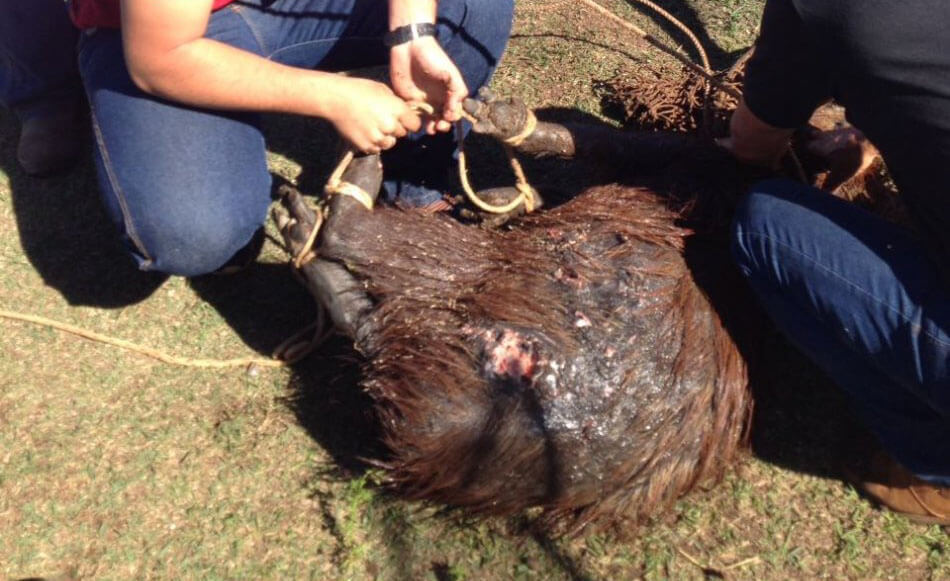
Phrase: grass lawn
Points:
(114, 466)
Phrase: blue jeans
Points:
(860, 297)
(37, 57)
(188, 188)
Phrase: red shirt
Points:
(105, 13)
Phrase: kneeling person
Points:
(865, 299)
(176, 88)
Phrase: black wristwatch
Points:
(408, 33)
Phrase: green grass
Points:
(113, 466)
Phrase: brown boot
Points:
(896, 488)
(51, 143)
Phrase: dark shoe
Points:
(51, 143)
(896, 488)
(243, 257)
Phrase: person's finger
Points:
(376, 138)
(456, 92)
(400, 131)
(443, 126)
(384, 143)
(388, 125)
(410, 121)
(366, 143)
(413, 93)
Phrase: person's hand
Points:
(754, 141)
(421, 71)
(370, 116)
(842, 142)
(845, 151)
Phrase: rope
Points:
(684, 29)
(531, 123)
(526, 194)
(147, 351)
(336, 185)
(797, 164)
(293, 350)
(705, 71)
(306, 253)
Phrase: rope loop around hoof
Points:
(526, 193)
(336, 186)
(530, 124)
(306, 252)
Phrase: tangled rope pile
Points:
(681, 104)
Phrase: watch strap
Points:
(408, 33)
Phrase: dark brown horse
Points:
(573, 361)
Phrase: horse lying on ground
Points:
(582, 360)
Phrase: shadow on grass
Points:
(564, 562)
(802, 421)
(263, 304)
(68, 238)
(66, 235)
(324, 395)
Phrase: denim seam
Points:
(117, 190)
(321, 41)
(915, 325)
(254, 32)
(270, 56)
